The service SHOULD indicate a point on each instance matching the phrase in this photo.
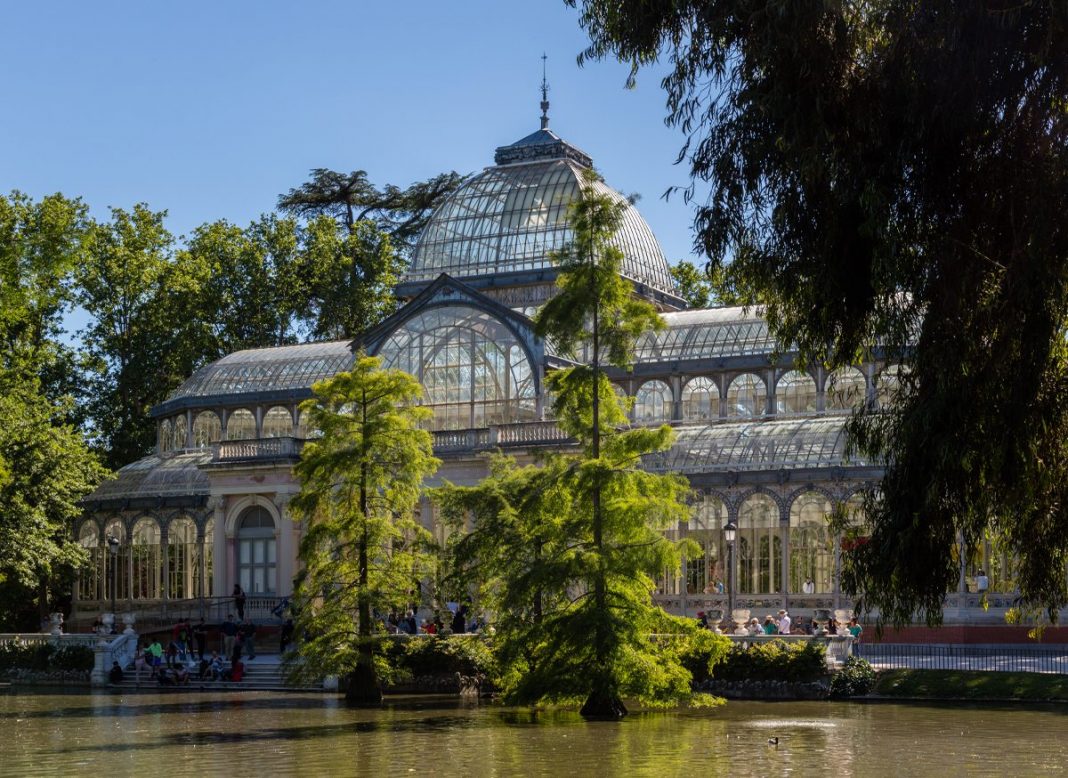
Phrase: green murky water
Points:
(212, 734)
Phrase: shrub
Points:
(776, 660)
(701, 651)
(73, 658)
(854, 679)
(26, 656)
(409, 658)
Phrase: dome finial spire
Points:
(544, 95)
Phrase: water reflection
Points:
(250, 733)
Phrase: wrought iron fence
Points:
(923, 656)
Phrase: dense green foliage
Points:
(972, 685)
(710, 286)
(775, 660)
(362, 548)
(897, 173)
(41, 657)
(406, 658)
(351, 198)
(564, 553)
(855, 679)
(45, 465)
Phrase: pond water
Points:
(264, 733)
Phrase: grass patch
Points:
(972, 685)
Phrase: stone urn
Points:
(740, 617)
(715, 616)
(107, 622)
(56, 620)
(842, 616)
(820, 617)
(128, 620)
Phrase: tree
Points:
(704, 287)
(897, 173)
(127, 340)
(577, 543)
(350, 276)
(351, 198)
(45, 469)
(360, 483)
(41, 245)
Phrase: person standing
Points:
(239, 601)
(784, 623)
(286, 636)
(155, 651)
(229, 631)
(809, 586)
(248, 638)
(200, 635)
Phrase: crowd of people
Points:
(457, 621)
(784, 624)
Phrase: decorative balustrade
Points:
(529, 432)
(259, 448)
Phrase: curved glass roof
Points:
(509, 218)
(706, 334)
(268, 369)
(158, 475)
(767, 444)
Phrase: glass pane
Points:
(257, 580)
(271, 551)
(258, 552)
(245, 555)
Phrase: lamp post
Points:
(730, 533)
(113, 547)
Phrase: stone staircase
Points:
(264, 673)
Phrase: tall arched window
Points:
(178, 434)
(166, 440)
(652, 403)
(116, 565)
(240, 425)
(256, 551)
(473, 369)
(811, 551)
(705, 574)
(277, 423)
(888, 384)
(147, 560)
(846, 389)
(208, 557)
(183, 553)
(759, 546)
(795, 393)
(89, 580)
(746, 397)
(700, 399)
(207, 429)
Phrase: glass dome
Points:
(509, 218)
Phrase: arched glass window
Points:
(89, 580)
(178, 434)
(208, 557)
(795, 393)
(652, 403)
(240, 425)
(277, 423)
(116, 565)
(473, 370)
(747, 396)
(207, 429)
(846, 389)
(166, 440)
(147, 560)
(811, 551)
(759, 546)
(256, 552)
(700, 399)
(888, 384)
(184, 556)
(705, 574)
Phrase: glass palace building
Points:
(761, 441)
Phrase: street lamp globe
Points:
(730, 531)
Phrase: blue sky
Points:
(211, 110)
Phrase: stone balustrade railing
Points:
(259, 448)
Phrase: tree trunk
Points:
(363, 682)
(602, 706)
